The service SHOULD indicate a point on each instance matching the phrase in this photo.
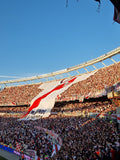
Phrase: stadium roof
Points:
(68, 72)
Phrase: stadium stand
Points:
(18, 95)
(82, 124)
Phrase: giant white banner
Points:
(42, 104)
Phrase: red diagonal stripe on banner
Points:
(37, 101)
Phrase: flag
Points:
(88, 95)
(56, 148)
(116, 16)
(42, 104)
(116, 4)
(98, 1)
(113, 116)
(118, 118)
(32, 153)
(18, 147)
(55, 90)
(98, 115)
(58, 97)
(13, 102)
(81, 98)
(98, 5)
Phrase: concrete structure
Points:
(68, 72)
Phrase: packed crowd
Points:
(96, 139)
(19, 95)
(104, 77)
(99, 105)
(13, 111)
(26, 135)
(83, 137)
(71, 108)
(22, 95)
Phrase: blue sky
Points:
(43, 36)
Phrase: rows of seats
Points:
(21, 95)
(67, 108)
(85, 108)
(104, 77)
(82, 137)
